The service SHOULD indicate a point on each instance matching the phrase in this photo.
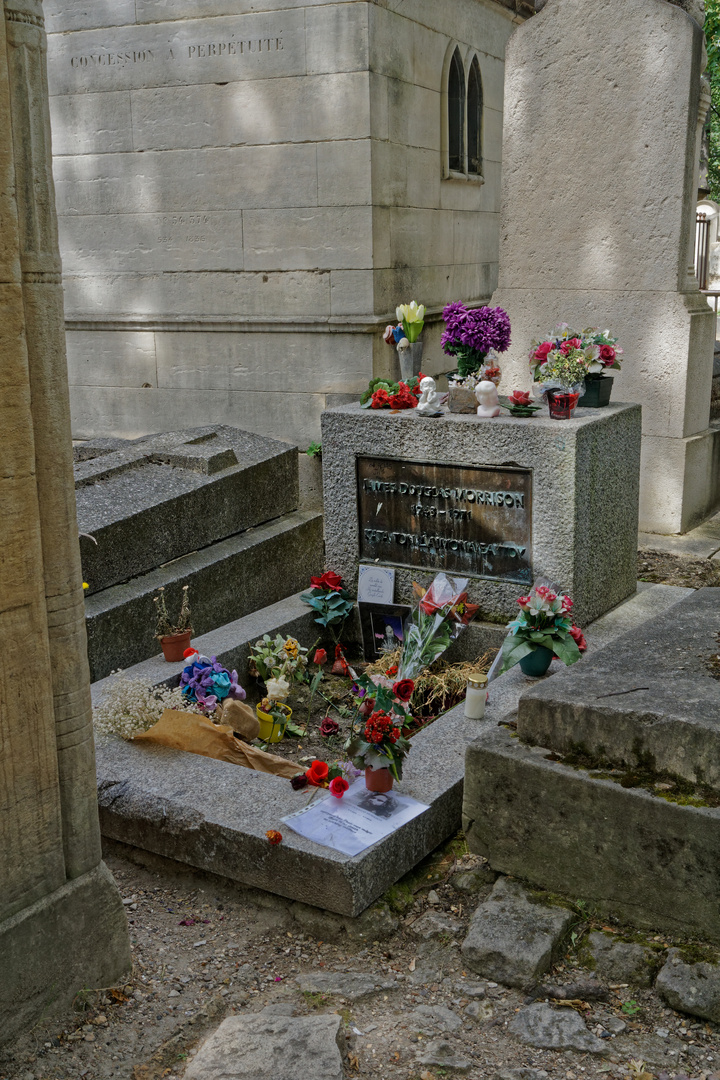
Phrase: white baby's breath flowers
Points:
(129, 706)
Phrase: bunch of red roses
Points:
(379, 727)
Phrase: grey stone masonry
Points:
(152, 500)
(651, 862)
(585, 484)
(650, 698)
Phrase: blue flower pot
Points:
(537, 662)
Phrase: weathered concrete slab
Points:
(648, 698)
(155, 499)
(227, 580)
(214, 816)
(652, 862)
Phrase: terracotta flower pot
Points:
(380, 780)
(174, 645)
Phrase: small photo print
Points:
(382, 628)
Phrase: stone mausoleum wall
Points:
(247, 190)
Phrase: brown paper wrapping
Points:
(198, 735)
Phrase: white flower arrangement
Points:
(130, 707)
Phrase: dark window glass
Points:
(456, 113)
(475, 119)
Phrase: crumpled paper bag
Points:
(199, 735)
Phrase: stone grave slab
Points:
(651, 862)
(649, 698)
(227, 580)
(501, 501)
(154, 499)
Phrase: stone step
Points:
(650, 862)
(154, 499)
(649, 699)
(227, 579)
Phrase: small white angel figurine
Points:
(429, 403)
(488, 403)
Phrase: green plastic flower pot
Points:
(537, 662)
(597, 393)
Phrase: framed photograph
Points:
(382, 628)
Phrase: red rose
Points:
(317, 774)
(607, 355)
(577, 635)
(274, 836)
(520, 397)
(330, 581)
(329, 727)
(380, 399)
(541, 353)
(320, 657)
(299, 782)
(338, 787)
(367, 707)
(403, 690)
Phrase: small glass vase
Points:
(561, 404)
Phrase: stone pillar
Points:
(62, 924)
(600, 159)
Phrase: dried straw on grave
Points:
(439, 687)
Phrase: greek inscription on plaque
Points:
(471, 520)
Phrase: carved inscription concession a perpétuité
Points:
(470, 519)
(198, 51)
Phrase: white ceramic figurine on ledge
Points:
(429, 403)
(488, 403)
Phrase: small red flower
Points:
(391, 671)
(329, 727)
(317, 774)
(380, 399)
(403, 690)
(274, 836)
(299, 782)
(330, 581)
(320, 657)
(577, 635)
(338, 787)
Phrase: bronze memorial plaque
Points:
(471, 520)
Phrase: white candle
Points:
(476, 696)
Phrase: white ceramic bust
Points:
(429, 403)
(488, 403)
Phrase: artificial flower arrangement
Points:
(411, 319)
(206, 683)
(330, 602)
(543, 629)
(520, 403)
(278, 661)
(380, 746)
(384, 394)
(475, 337)
(562, 380)
(600, 350)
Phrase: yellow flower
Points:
(291, 648)
(85, 585)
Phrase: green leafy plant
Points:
(166, 627)
(330, 602)
(630, 1008)
(314, 450)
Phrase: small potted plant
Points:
(274, 717)
(562, 380)
(601, 351)
(275, 658)
(380, 750)
(174, 637)
(474, 337)
(543, 629)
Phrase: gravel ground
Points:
(683, 570)
(204, 949)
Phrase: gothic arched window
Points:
(474, 120)
(456, 114)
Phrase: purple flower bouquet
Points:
(470, 335)
(207, 683)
